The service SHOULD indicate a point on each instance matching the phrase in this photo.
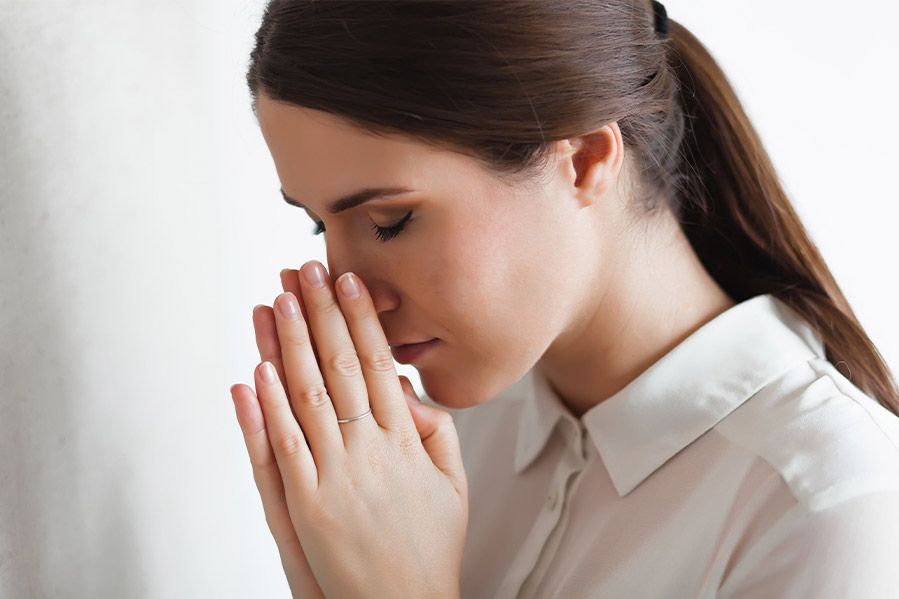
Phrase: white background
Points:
(140, 222)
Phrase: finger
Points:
(298, 462)
(309, 396)
(385, 392)
(290, 282)
(269, 345)
(265, 467)
(341, 368)
(267, 333)
(267, 338)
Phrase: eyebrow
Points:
(354, 199)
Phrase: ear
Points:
(594, 161)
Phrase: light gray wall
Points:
(123, 470)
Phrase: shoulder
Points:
(845, 550)
(827, 439)
(836, 451)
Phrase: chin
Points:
(453, 393)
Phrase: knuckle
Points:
(368, 319)
(285, 539)
(380, 361)
(408, 441)
(345, 363)
(314, 397)
(375, 461)
(296, 336)
(328, 307)
(325, 520)
(264, 468)
(289, 445)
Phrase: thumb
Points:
(438, 436)
(407, 388)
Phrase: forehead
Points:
(319, 138)
(320, 156)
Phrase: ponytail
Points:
(744, 229)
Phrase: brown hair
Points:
(501, 80)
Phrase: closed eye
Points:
(382, 233)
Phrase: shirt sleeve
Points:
(846, 550)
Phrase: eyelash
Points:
(383, 233)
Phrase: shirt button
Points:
(552, 499)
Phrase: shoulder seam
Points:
(870, 416)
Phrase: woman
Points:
(657, 388)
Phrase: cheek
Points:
(474, 273)
(490, 290)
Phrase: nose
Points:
(368, 268)
(383, 298)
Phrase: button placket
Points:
(578, 445)
(539, 546)
(568, 466)
(553, 499)
(567, 474)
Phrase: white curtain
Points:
(140, 223)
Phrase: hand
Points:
(379, 504)
(268, 479)
(300, 579)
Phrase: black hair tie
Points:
(661, 17)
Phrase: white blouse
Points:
(740, 464)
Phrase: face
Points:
(496, 271)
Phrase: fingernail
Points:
(315, 275)
(348, 285)
(288, 306)
(268, 372)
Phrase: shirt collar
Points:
(679, 397)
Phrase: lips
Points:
(406, 340)
(408, 352)
(401, 343)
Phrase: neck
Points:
(660, 294)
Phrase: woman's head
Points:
(497, 268)
(543, 140)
